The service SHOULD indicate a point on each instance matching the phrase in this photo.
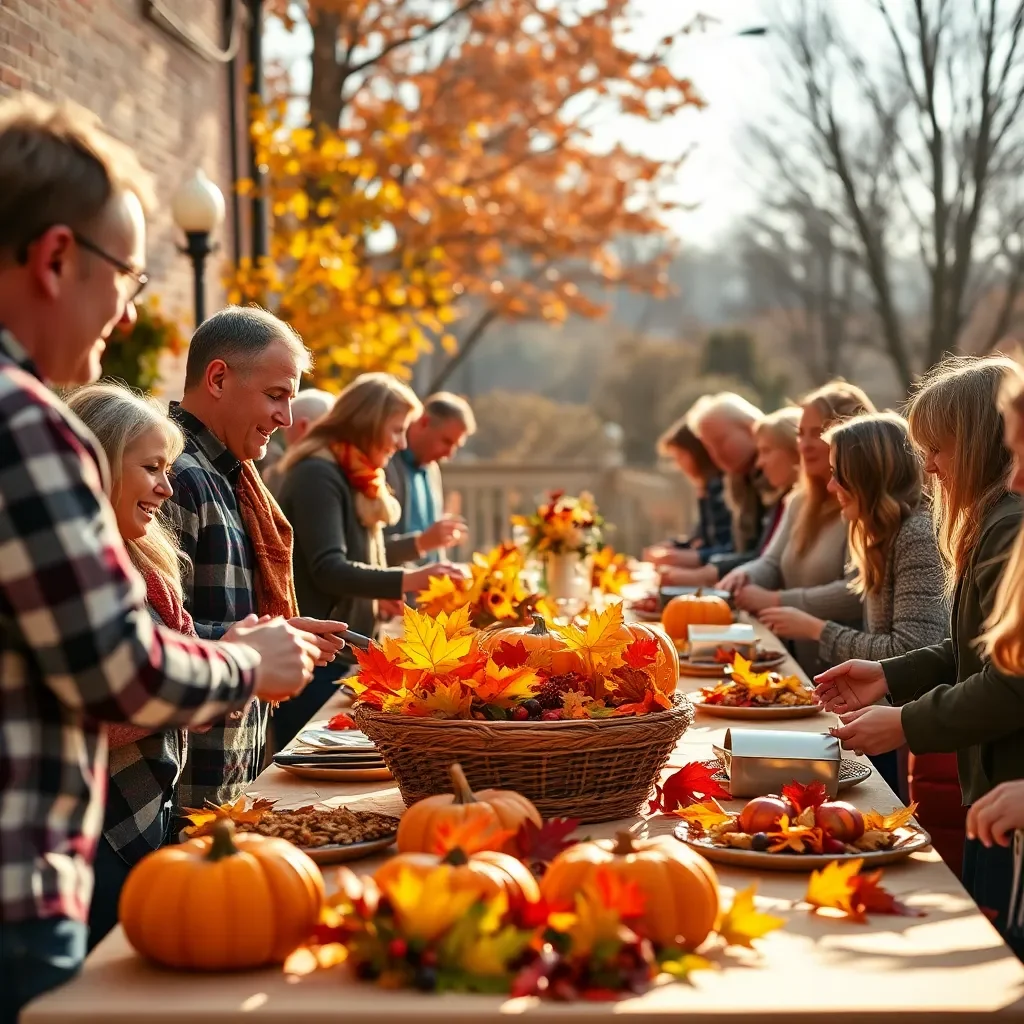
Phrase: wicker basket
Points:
(591, 769)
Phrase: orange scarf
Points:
(379, 506)
(271, 537)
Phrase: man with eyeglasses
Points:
(78, 647)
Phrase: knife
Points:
(355, 639)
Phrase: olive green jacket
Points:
(953, 699)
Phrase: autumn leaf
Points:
(600, 641)
(641, 652)
(840, 886)
(743, 922)
(446, 700)
(471, 835)
(705, 815)
(425, 645)
(377, 670)
(803, 796)
(506, 686)
(203, 819)
(688, 785)
(574, 705)
(456, 624)
(871, 898)
(796, 838)
(443, 594)
(635, 692)
(510, 655)
(538, 846)
(340, 722)
(622, 895)
(899, 817)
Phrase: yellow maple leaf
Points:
(601, 641)
(832, 886)
(428, 905)
(899, 817)
(743, 922)
(707, 814)
(456, 623)
(426, 647)
(443, 594)
(446, 700)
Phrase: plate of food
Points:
(332, 739)
(851, 772)
(720, 665)
(757, 696)
(646, 608)
(799, 830)
(330, 835)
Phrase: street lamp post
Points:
(198, 210)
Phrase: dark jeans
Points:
(110, 870)
(290, 718)
(988, 877)
(36, 956)
(888, 766)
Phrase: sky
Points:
(732, 72)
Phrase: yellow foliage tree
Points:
(449, 164)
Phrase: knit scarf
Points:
(376, 506)
(271, 537)
(166, 603)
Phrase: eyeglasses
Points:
(140, 277)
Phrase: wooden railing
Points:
(642, 506)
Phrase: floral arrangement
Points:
(563, 525)
(609, 571)
(445, 668)
(493, 593)
(749, 689)
(133, 353)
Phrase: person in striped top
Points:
(79, 649)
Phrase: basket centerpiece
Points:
(580, 719)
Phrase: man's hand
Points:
(287, 656)
(995, 816)
(752, 598)
(447, 532)
(874, 730)
(792, 623)
(323, 632)
(851, 686)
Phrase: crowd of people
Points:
(159, 594)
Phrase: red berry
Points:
(830, 845)
(397, 948)
(552, 715)
(520, 714)
(429, 958)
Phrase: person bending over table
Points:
(960, 696)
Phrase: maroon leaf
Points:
(641, 652)
(802, 797)
(510, 655)
(691, 784)
(539, 846)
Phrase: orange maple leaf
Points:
(505, 686)
(448, 698)
(641, 652)
(377, 671)
(619, 894)
(473, 835)
(798, 838)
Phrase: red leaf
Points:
(377, 671)
(641, 652)
(510, 655)
(691, 784)
(802, 797)
(539, 846)
(625, 897)
(869, 897)
(341, 722)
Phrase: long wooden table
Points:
(948, 965)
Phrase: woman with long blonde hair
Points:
(335, 495)
(951, 697)
(805, 565)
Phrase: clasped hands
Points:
(851, 691)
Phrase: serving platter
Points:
(766, 661)
(777, 713)
(851, 772)
(339, 853)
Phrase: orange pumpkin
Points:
(696, 609)
(547, 650)
(222, 902)
(487, 873)
(666, 668)
(503, 809)
(681, 886)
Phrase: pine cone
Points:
(549, 696)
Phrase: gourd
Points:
(680, 886)
(503, 809)
(547, 650)
(222, 902)
(696, 609)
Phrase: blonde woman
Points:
(777, 463)
(805, 564)
(950, 697)
(335, 495)
(140, 443)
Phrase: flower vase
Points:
(566, 576)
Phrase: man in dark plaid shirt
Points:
(243, 369)
(77, 645)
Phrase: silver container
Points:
(762, 761)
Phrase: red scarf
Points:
(379, 506)
(167, 604)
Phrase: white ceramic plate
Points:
(910, 840)
(331, 739)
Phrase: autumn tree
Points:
(448, 165)
(904, 132)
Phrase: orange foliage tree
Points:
(447, 167)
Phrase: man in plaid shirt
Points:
(243, 369)
(78, 647)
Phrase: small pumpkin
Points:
(681, 886)
(666, 668)
(547, 650)
(696, 609)
(503, 809)
(486, 873)
(222, 902)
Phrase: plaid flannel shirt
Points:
(77, 649)
(140, 798)
(219, 590)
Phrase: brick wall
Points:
(152, 92)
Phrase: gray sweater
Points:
(908, 611)
(340, 566)
(816, 581)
